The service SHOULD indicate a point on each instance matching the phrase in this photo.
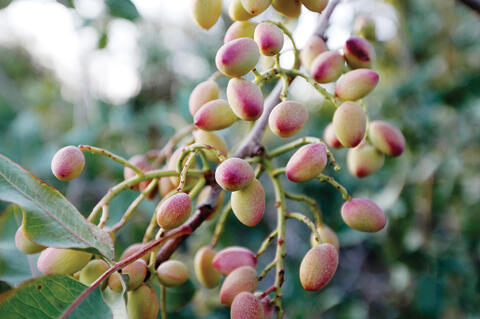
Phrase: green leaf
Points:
(50, 219)
(48, 297)
(15, 266)
(123, 9)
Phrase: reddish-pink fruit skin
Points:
(327, 67)
(239, 280)
(240, 29)
(234, 174)
(359, 53)
(356, 84)
(386, 138)
(306, 163)
(174, 211)
(363, 215)
(248, 204)
(237, 57)
(287, 118)
(231, 258)
(349, 124)
(245, 99)
(246, 306)
(318, 266)
(214, 115)
(364, 160)
(269, 38)
(267, 308)
(204, 92)
(68, 163)
(330, 137)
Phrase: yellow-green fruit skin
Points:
(62, 261)
(356, 84)
(204, 271)
(237, 57)
(114, 282)
(365, 27)
(306, 163)
(327, 67)
(237, 12)
(246, 306)
(363, 215)
(349, 123)
(315, 5)
(240, 29)
(327, 235)
(214, 115)
(136, 271)
(204, 92)
(172, 165)
(25, 244)
(318, 266)
(142, 303)
(172, 273)
(386, 138)
(174, 211)
(288, 8)
(248, 204)
(68, 163)
(205, 13)
(239, 280)
(287, 118)
(94, 269)
(213, 140)
(255, 7)
(314, 47)
(359, 53)
(364, 160)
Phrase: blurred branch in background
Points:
(473, 4)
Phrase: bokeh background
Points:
(117, 74)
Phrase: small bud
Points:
(142, 303)
(364, 160)
(205, 13)
(240, 29)
(245, 99)
(330, 137)
(25, 244)
(246, 306)
(174, 211)
(287, 118)
(349, 124)
(137, 272)
(172, 273)
(68, 163)
(315, 5)
(318, 266)
(359, 53)
(306, 163)
(204, 270)
(204, 92)
(62, 261)
(239, 280)
(363, 215)
(234, 174)
(213, 140)
(214, 115)
(327, 235)
(237, 57)
(94, 269)
(248, 204)
(237, 12)
(269, 38)
(288, 8)
(314, 47)
(386, 138)
(356, 84)
(327, 67)
(231, 258)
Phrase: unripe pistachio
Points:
(356, 84)
(202, 196)
(287, 118)
(239, 280)
(62, 261)
(318, 266)
(234, 174)
(214, 115)
(172, 165)
(115, 283)
(204, 270)
(172, 273)
(306, 163)
(314, 46)
(204, 92)
(237, 12)
(245, 99)
(364, 27)
(141, 162)
(363, 215)
(240, 29)
(137, 272)
(256, 7)
(165, 186)
(327, 235)
(94, 269)
(269, 38)
(142, 303)
(288, 8)
(25, 244)
(213, 140)
(327, 67)
(364, 160)
(330, 137)
(349, 124)
(174, 211)
(237, 57)
(315, 5)
(68, 163)
(205, 13)
(246, 306)
(359, 53)
(248, 204)
(386, 138)
(231, 258)
(132, 249)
